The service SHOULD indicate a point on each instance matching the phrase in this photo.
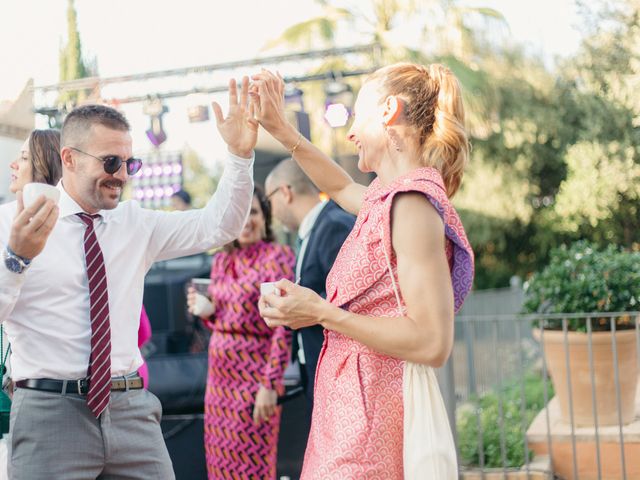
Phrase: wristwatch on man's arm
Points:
(14, 262)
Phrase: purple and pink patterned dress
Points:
(357, 426)
(244, 353)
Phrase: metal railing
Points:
(504, 403)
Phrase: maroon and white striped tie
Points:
(99, 372)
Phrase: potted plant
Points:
(586, 279)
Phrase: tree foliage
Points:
(555, 154)
(72, 65)
(562, 161)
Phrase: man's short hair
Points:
(80, 120)
(184, 196)
(290, 173)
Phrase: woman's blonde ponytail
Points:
(434, 108)
(448, 144)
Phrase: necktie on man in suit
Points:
(99, 371)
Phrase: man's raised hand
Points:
(240, 128)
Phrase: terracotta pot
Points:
(604, 376)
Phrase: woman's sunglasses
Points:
(112, 163)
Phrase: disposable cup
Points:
(31, 192)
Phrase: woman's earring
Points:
(393, 137)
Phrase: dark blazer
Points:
(329, 232)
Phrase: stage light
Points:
(161, 177)
(339, 98)
(155, 109)
(55, 116)
(293, 97)
(156, 134)
(335, 87)
(336, 115)
(197, 107)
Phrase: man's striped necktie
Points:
(99, 372)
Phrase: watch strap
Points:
(24, 261)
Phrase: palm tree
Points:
(421, 31)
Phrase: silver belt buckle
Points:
(79, 383)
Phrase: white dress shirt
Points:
(45, 310)
(304, 231)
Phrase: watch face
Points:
(13, 265)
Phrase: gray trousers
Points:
(56, 437)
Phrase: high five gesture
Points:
(239, 129)
(267, 100)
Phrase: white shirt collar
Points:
(309, 220)
(68, 206)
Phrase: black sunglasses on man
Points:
(112, 163)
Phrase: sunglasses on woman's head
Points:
(112, 163)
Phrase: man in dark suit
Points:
(322, 227)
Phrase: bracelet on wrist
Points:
(294, 148)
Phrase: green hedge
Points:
(486, 406)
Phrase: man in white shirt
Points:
(322, 228)
(71, 287)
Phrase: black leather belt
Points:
(79, 387)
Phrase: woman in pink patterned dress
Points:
(409, 130)
(247, 359)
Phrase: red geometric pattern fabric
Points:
(99, 371)
(357, 425)
(244, 353)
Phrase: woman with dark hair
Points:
(247, 359)
(39, 160)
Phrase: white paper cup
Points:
(203, 306)
(201, 285)
(267, 288)
(31, 192)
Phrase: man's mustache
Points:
(114, 183)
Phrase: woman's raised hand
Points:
(267, 99)
(240, 128)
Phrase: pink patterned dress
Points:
(244, 353)
(357, 430)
